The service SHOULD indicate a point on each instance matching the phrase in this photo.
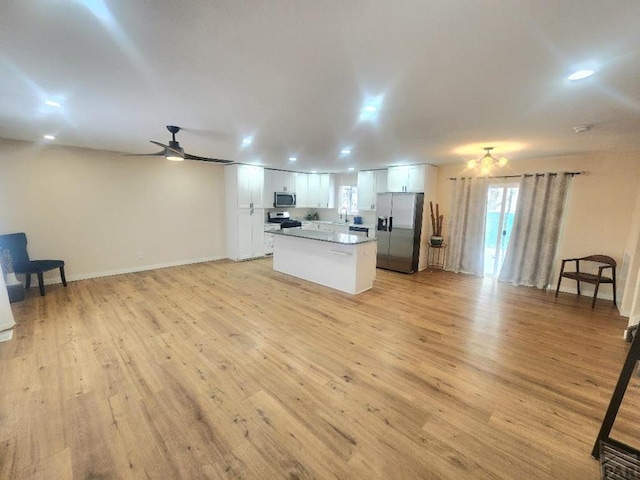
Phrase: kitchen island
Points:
(337, 260)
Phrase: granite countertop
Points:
(339, 223)
(331, 237)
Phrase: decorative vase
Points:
(436, 241)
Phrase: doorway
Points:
(501, 209)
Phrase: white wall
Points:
(6, 315)
(599, 207)
(98, 210)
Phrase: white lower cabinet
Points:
(268, 238)
(248, 241)
(326, 227)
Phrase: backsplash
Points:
(326, 214)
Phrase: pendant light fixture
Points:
(485, 165)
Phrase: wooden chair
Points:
(594, 279)
(16, 243)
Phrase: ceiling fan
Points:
(175, 152)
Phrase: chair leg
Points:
(595, 295)
(558, 287)
(614, 290)
(41, 284)
(64, 279)
(578, 282)
(27, 277)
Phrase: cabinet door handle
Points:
(338, 252)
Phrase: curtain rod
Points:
(529, 175)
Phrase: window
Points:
(349, 199)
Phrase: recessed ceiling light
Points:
(247, 141)
(49, 137)
(293, 159)
(345, 151)
(314, 171)
(371, 108)
(580, 74)
(351, 169)
(53, 103)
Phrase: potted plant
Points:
(436, 225)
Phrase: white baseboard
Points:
(142, 268)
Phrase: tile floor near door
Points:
(231, 370)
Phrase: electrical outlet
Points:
(140, 255)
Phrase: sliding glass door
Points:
(501, 209)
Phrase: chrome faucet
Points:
(346, 214)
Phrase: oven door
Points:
(284, 199)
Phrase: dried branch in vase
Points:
(436, 220)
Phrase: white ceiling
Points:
(295, 75)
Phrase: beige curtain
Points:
(466, 232)
(536, 228)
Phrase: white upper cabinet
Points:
(397, 178)
(381, 181)
(282, 181)
(327, 190)
(370, 183)
(321, 190)
(301, 189)
(415, 182)
(406, 178)
(313, 192)
(367, 190)
(268, 191)
(250, 185)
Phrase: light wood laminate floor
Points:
(231, 370)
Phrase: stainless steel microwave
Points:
(284, 199)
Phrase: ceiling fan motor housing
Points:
(176, 146)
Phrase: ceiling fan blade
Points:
(206, 159)
(159, 144)
(158, 154)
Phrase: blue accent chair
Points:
(16, 243)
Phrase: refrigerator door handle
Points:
(390, 224)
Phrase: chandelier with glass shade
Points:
(485, 165)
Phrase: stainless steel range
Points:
(284, 219)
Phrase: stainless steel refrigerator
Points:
(398, 230)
